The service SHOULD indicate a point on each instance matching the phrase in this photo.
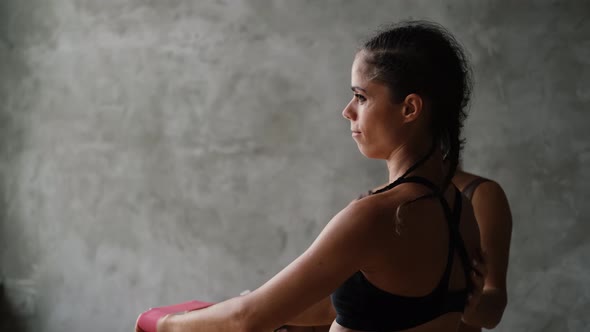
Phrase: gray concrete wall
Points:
(157, 151)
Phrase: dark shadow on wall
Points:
(24, 27)
(9, 320)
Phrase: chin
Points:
(370, 153)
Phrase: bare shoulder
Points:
(372, 207)
(390, 200)
(372, 216)
(490, 191)
(410, 206)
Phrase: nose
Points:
(348, 112)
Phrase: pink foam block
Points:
(148, 320)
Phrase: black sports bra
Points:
(362, 306)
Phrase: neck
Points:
(404, 157)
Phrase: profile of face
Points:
(378, 124)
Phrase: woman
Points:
(400, 258)
(493, 216)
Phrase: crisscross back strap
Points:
(458, 242)
(453, 218)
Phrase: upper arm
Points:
(494, 218)
(337, 253)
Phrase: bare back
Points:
(414, 263)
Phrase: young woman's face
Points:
(375, 121)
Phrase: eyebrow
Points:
(353, 88)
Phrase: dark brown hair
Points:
(424, 58)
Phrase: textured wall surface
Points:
(158, 151)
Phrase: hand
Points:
(159, 326)
(159, 319)
(478, 277)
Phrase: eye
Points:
(360, 98)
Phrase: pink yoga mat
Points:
(148, 320)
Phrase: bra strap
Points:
(420, 162)
(458, 242)
(412, 168)
(469, 189)
(453, 218)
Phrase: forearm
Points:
(321, 313)
(489, 310)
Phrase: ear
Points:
(412, 107)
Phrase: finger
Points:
(473, 301)
(478, 284)
(482, 256)
(477, 278)
(479, 268)
(161, 320)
